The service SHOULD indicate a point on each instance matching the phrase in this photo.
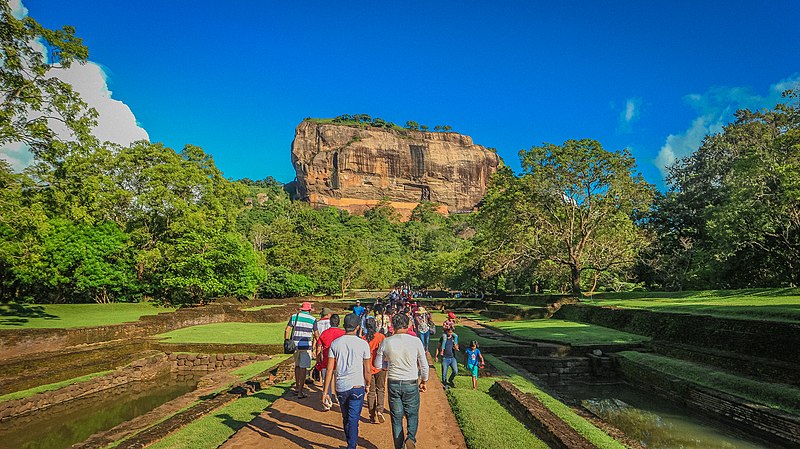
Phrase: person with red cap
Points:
(450, 322)
(302, 328)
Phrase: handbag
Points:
(289, 346)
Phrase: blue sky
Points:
(237, 77)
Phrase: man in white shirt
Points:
(349, 355)
(404, 358)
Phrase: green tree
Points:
(734, 205)
(32, 94)
(412, 125)
(573, 205)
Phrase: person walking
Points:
(407, 373)
(474, 361)
(448, 346)
(424, 321)
(377, 391)
(302, 328)
(326, 339)
(349, 355)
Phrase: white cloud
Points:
(716, 108)
(629, 114)
(17, 154)
(116, 122)
(18, 10)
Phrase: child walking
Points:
(473, 356)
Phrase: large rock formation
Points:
(353, 167)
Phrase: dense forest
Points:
(94, 221)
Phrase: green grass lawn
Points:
(780, 396)
(465, 334)
(209, 432)
(229, 333)
(486, 424)
(248, 371)
(49, 387)
(567, 332)
(760, 304)
(25, 316)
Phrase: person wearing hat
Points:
(323, 324)
(424, 328)
(302, 328)
(450, 322)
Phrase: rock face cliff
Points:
(352, 168)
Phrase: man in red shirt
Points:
(324, 345)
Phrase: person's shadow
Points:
(291, 428)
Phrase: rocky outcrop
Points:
(354, 167)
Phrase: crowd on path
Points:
(377, 351)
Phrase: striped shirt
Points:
(304, 326)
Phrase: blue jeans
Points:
(449, 363)
(351, 402)
(426, 338)
(404, 401)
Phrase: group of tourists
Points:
(378, 350)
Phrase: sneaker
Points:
(410, 444)
(381, 418)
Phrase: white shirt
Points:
(403, 353)
(350, 352)
(323, 325)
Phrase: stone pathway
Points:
(301, 423)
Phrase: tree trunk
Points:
(575, 272)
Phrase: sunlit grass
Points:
(486, 424)
(229, 333)
(49, 387)
(760, 304)
(571, 332)
(53, 316)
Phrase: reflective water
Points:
(63, 425)
(657, 423)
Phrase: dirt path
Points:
(301, 423)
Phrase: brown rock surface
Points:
(353, 168)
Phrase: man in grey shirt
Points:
(405, 360)
(349, 355)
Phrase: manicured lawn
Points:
(209, 432)
(229, 333)
(582, 426)
(248, 371)
(485, 423)
(780, 396)
(22, 316)
(567, 332)
(49, 387)
(760, 304)
(465, 334)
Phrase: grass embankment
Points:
(485, 423)
(481, 418)
(563, 411)
(779, 396)
(211, 431)
(753, 304)
(228, 333)
(55, 316)
(570, 332)
(49, 387)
